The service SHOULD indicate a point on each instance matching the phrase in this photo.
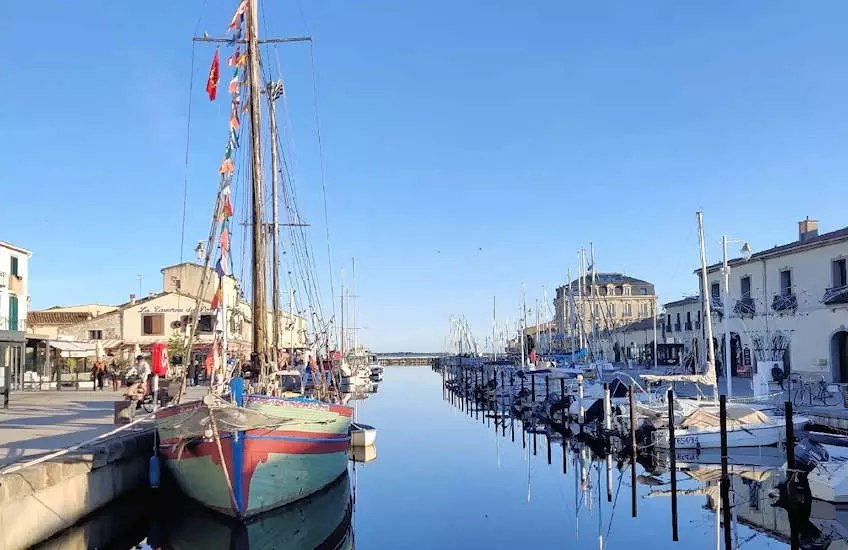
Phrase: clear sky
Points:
(470, 146)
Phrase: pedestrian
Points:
(113, 375)
(144, 373)
(99, 373)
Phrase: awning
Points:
(74, 349)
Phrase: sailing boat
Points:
(237, 452)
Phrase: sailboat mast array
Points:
(273, 91)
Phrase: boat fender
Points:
(154, 472)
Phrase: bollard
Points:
(632, 450)
(725, 478)
(673, 457)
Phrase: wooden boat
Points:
(362, 435)
(322, 520)
(263, 453)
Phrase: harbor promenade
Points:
(40, 422)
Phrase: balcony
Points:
(697, 325)
(668, 328)
(677, 327)
(717, 306)
(745, 307)
(688, 325)
(14, 325)
(785, 303)
(832, 296)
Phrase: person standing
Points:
(113, 375)
(143, 370)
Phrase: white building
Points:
(798, 289)
(14, 296)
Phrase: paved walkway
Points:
(39, 422)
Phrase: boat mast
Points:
(494, 327)
(342, 339)
(594, 302)
(570, 306)
(355, 327)
(580, 295)
(274, 90)
(260, 343)
(523, 322)
(706, 301)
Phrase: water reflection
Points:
(322, 520)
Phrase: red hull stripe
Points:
(277, 433)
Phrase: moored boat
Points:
(362, 435)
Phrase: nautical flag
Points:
(242, 60)
(233, 60)
(219, 268)
(212, 82)
(238, 16)
(234, 121)
(233, 139)
(216, 299)
(227, 210)
(233, 87)
(227, 166)
(225, 236)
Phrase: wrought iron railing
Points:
(745, 307)
(7, 323)
(836, 295)
(784, 302)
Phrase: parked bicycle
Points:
(813, 389)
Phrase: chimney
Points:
(132, 298)
(807, 229)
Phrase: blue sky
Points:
(470, 146)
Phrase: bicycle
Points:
(815, 388)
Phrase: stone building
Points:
(616, 300)
(14, 299)
(799, 290)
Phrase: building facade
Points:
(616, 300)
(14, 299)
(792, 297)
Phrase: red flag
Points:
(212, 82)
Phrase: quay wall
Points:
(41, 500)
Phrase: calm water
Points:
(443, 479)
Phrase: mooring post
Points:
(632, 449)
(564, 455)
(534, 442)
(790, 440)
(533, 387)
(547, 387)
(725, 478)
(548, 439)
(673, 458)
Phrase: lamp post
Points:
(725, 269)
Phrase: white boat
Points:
(362, 435)
(746, 427)
(829, 480)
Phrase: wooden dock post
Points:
(673, 459)
(725, 478)
(633, 449)
(533, 387)
(547, 387)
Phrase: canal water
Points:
(443, 479)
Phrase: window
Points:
(715, 292)
(612, 310)
(840, 277)
(13, 267)
(153, 324)
(669, 320)
(628, 310)
(643, 291)
(206, 323)
(643, 309)
(688, 316)
(95, 334)
(745, 283)
(13, 312)
(785, 283)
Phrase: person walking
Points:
(113, 375)
(99, 373)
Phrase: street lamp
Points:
(725, 269)
(199, 250)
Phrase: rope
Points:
(221, 457)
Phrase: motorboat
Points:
(362, 435)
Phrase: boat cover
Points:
(737, 418)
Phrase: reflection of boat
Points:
(362, 435)
(768, 457)
(363, 454)
(322, 520)
(829, 479)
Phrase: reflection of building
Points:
(617, 300)
(800, 288)
(14, 280)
